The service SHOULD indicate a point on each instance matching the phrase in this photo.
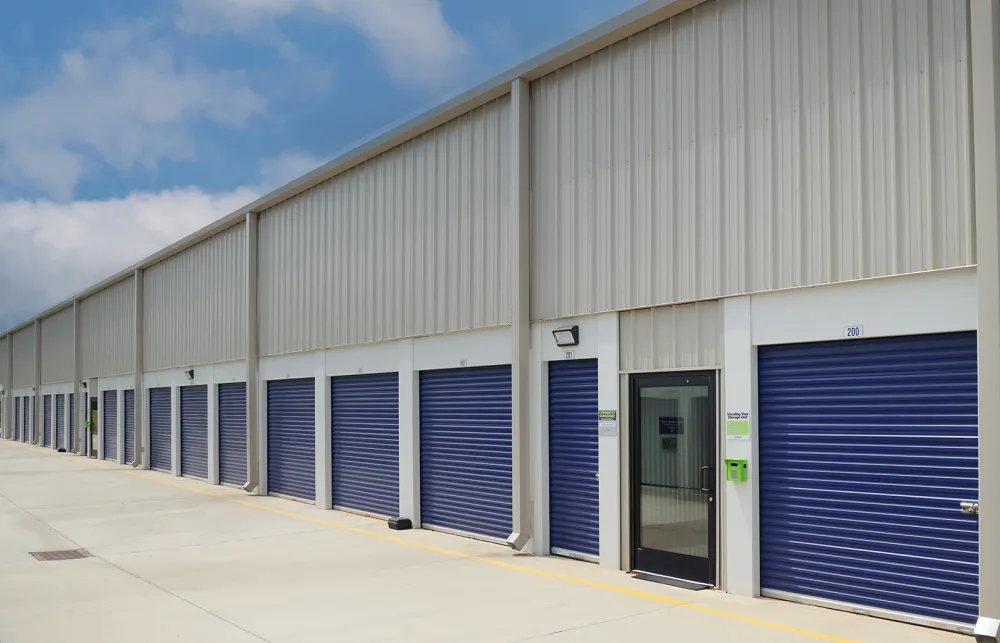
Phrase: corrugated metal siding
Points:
(107, 331)
(4, 362)
(684, 336)
(750, 145)
(57, 348)
(195, 304)
(412, 242)
(24, 357)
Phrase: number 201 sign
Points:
(853, 332)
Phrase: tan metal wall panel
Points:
(24, 357)
(751, 145)
(195, 304)
(107, 331)
(669, 337)
(413, 242)
(57, 347)
(4, 362)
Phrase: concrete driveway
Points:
(178, 560)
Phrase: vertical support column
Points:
(539, 405)
(175, 430)
(213, 433)
(252, 353)
(742, 559)
(36, 415)
(609, 443)
(67, 425)
(409, 435)
(92, 426)
(8, 403)
(985, 49)
(520, 257)
(324, 451)
(144, 393)
(78, 418)
(100, 422)
(120, 415)
(138, 363)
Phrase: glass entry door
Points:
(673, 442)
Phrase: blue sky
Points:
(126, 124)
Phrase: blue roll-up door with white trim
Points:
(26, 430)
(110, 425)
(233, 433)
(291, 438)
(60, 421)
(17, 419)
(465, 450)
(194, 431)
(365, 442)
(47, 420)
(129, 426)
(867, 447)
(574, 516)
(72, 420)
(160, 454)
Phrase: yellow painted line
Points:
(749, 620)
(519, 568)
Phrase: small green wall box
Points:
(736, 470)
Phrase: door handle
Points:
(970, 507)
(705, 487)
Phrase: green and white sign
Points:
(738, 426)
(607, 423)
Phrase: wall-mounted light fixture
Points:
(189, 374)
(567, 336)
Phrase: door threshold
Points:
(669, 580)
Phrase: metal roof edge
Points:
(603, 35)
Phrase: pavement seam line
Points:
(181, 598)
(750, 620)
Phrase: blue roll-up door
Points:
(60, 421)
(72, 421)
(365, 442)
(17, 419)
(233, 433)
(465, 450)
(160, 455)
(291, 438)
(47, 420)
(110, 425)
(129, 426)
(867, 447)
(574, 515)
(194, 431)
(26, 417)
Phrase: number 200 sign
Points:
(853, 332)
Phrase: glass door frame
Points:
(667, 563)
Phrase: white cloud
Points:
(287, 166)
(50, 251)
(411, 36)
(121, 100)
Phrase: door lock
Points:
(970, 507)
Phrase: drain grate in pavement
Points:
(62, 554)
